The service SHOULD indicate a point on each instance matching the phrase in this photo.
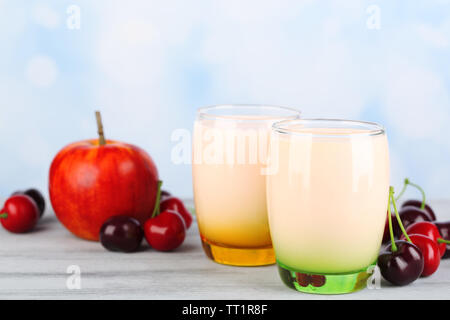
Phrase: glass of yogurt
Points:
(327, 198)
(230, 151)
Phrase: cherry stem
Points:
(391, 231)
(440, 240)
(101, 134)
(422, 206)
(400, 220)
(3, 215)
(158, 201)
(405, 185)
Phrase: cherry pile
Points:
(305, 280)
(164, 231)
(416, 243)
(22, 210)
(411, 211)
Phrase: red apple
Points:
(93, 180)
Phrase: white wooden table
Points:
(34, 265)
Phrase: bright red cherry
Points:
(166, 231)
(37, 196)
(430, 252)
(175, 204)
(430, 230)
(20, 214)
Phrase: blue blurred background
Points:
(148, 65)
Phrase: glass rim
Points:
(369, 128)
(204, 113)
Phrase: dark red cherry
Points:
(403, 266)
(121, 233)
(165, 194)
(317, 280)
(305, 280)
(302, 279)
(410, 215)
(386, 235)
(418, 204)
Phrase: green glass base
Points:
(323, 283)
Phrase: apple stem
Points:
(391, 231)
(400, 220)
(3, 215)
(440, 240)
(101, 134)
(158, 200)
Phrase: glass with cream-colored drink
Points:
(230, 149)
(327, 201)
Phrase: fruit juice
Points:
(328, 198)
(230, 193)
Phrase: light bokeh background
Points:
(148, 65)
